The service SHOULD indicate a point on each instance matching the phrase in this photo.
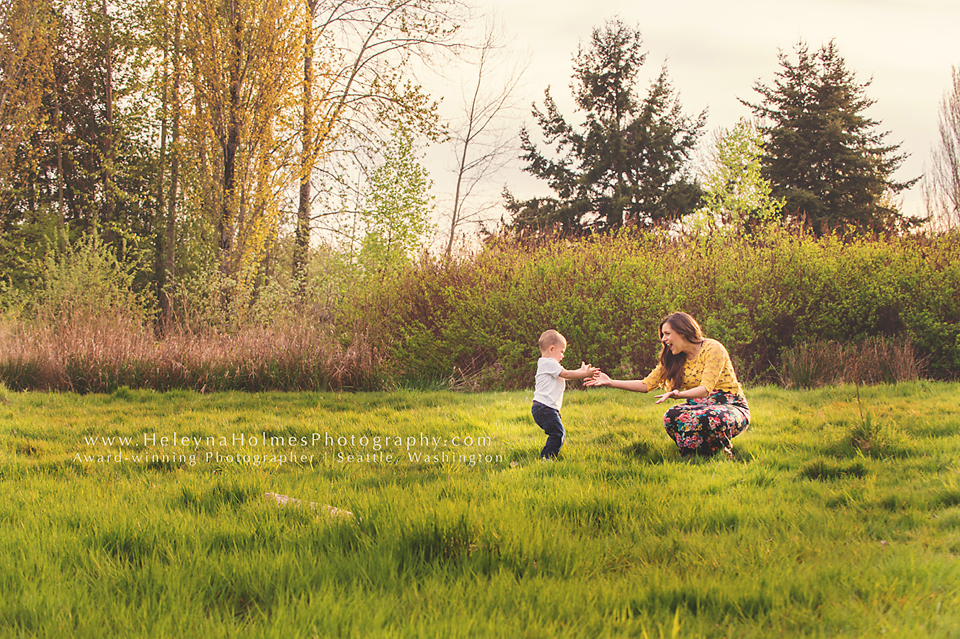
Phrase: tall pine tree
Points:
(627, 164)
(822, 154)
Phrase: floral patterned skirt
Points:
(705, 425)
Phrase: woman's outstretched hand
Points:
(666, 396)
(599, 379)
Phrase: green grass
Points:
(839, 519)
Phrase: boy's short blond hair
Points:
(551, 338)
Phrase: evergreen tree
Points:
(627, 164)
(822, 155)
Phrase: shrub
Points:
(761, 296)
(86, 280)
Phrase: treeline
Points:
(198, 135)
(221, 141)
(473, 323)
(166, 167)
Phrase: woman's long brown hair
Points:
(682, 324)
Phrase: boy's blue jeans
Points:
(549, 420)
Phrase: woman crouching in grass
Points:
(698, 370)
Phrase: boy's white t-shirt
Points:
(549, 385)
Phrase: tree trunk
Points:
(108, 154)
(170, 230)
(228, 206)
(302, 237)
(161, 187)
(56, 115)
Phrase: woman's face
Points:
(676, 342)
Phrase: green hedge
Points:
(758, 295)
(474, 323)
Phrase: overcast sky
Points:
(715, 51)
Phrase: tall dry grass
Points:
(876, 360)
(89, 327)
(102, 353)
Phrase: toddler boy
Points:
(548, 393)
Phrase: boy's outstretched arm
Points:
(585, 370)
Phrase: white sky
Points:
(715, 51)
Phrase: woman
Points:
(698, 370)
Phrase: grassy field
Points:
(142, 514)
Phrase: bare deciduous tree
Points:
(358, 90)
(480, 138)
(941, 185)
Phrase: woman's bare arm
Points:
(602, 379)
